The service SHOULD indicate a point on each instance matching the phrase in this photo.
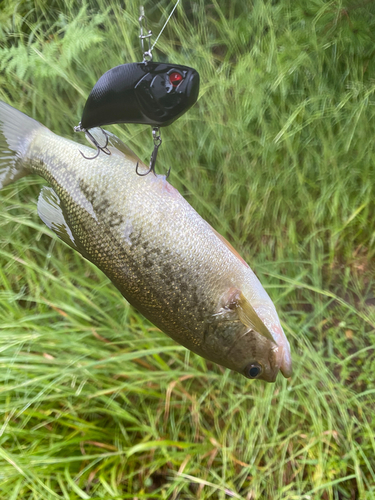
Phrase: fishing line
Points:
(165, 24)
(147, 54)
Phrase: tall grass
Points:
(278, 155)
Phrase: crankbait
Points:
(149, 93)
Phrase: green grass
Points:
(278, 155)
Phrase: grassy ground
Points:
(278, 155)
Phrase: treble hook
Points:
(157, 144)
(92, 139)
(152, 163)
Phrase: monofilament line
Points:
(165, 24)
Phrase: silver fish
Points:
(161, 255)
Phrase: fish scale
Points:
(161, 255)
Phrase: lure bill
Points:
(161, 255)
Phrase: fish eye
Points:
(253, 370)
(175, 78)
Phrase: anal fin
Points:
(50, 211)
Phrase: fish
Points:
(162, 256)
(150, 93)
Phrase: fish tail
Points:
(16, 133)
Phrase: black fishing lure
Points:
(150, 93)
(145, 92)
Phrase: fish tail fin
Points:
(16, 133)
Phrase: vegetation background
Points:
(278, 155)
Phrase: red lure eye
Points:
(175, 78)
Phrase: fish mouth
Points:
(286, 367)
(284, 356)
(281, 362)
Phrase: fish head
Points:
(248, 339)
(165, 92)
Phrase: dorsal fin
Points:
(115, 145)
(49, 210)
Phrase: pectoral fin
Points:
(249, 317)
(49, 210)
